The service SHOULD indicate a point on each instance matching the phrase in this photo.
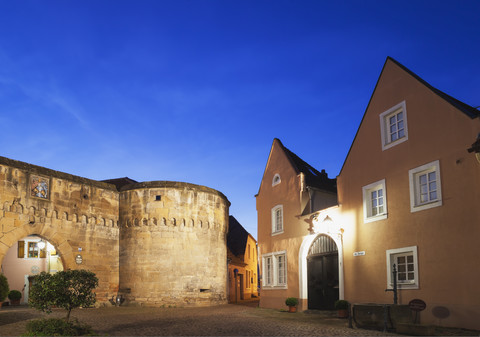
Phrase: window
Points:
(406, 263)
(275, 270)
(268, 271)
(393, 126)
(374, 201)
(30, 250)
(281, 277)
(277, 219)
(247, 279)
(276, 180)
(425, 187)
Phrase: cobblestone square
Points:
(223, 320)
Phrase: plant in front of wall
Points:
(292, 303)
(4, 288)
(342, 308)
(14, 296)
(68, 289)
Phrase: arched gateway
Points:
(322, 271)
(152, 243)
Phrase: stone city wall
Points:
(77, 215)
(155, 243)
(173, 244)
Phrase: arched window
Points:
(276, 180)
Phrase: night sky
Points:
(195, 91)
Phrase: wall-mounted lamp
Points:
(476, 148)
(41, 244)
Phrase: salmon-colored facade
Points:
(435, 221)
(289, 192)
(408, 195)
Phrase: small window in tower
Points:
(158, 197)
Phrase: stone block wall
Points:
(77, 215)
(157, 243)
(173, 244)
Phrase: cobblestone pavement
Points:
(224, 320)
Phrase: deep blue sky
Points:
(196, 91)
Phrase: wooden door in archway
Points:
(322, 270)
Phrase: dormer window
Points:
(276, 180)
(393, 124)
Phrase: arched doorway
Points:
(322, 273)
(26, 258)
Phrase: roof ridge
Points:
(467, 109)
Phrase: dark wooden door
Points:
(322, 281)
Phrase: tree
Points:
(68, 289)
(4, 288)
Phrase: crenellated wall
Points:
(173, 244)
(77, 215)
(156, 243)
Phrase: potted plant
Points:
(292, 302)
(14, 296)
(342, 308)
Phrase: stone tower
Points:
(172, 244)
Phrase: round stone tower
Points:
(173, 244)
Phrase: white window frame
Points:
(387, 141)
(276, 231)
(367, 201)
(276, 179)
(414, 175)
(272, 278)
(391, 254)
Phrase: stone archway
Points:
(45, 232)
(302, 264)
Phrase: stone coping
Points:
(173, 184)
(56, 174)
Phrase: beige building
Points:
(290, 191)
(242, 263)
(408, 196)
(152, 243)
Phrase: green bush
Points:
(56, 327)
(341, 305)
(4, 288)
(68, 289)
(14, 295)
(291, 301)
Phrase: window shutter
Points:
(43, 253)
(21, 249)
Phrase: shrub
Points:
(291, 301)
(68, 289)
(341, 305)
(56, 327)
(4, 288)
(14, 295)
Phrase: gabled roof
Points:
(313, 178)
(462, 107)
(236, 237)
